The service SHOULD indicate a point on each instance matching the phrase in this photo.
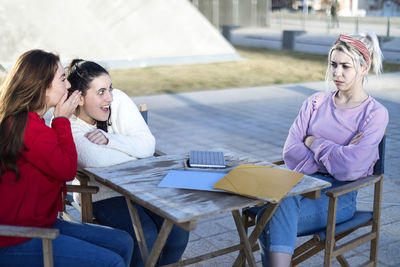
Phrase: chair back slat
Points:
(379, 167)
(143, 110)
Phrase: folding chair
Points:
(46, 234)
(327, 238)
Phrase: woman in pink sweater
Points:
(335, 137)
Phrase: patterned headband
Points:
(360, 46)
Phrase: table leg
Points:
(159, 244)
(243, 238)
(137, 226)
(262, 222)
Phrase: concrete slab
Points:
(117, 33)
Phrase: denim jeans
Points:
(77, 245)
(299, 215)
(114, 212)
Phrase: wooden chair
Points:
(85, 207)
(144, 111)
(327, 238)
(46, 234)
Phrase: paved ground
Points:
(255, 122)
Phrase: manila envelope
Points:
(263, 182)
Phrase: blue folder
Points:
(196, 180)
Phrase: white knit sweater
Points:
(129, 138)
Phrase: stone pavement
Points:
(255, 122)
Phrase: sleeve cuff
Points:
(58, 120)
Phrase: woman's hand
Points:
(309, 140)
(97, 137)
(356, 139)
(66, 107)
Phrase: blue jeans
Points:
(114, 212)
(77, 245)
(299, 215)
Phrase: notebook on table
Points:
(206, 159)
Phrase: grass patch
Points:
(261, 67)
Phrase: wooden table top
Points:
(139, 180)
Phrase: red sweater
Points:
(49, 161)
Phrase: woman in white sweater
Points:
(108, 129)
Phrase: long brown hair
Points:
(23, 90)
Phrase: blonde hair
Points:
(371, 42)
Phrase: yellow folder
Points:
(268, 183)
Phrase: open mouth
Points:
(105, 108)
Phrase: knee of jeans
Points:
(127, 242)
(348, 200)
(117, 261)
(294, 201)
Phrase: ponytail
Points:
(372, 43)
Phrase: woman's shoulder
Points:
(317, 99)
(374, 107)
(375, 112)
(122, 105)
(118, 92)
(36, 129)
(321, 96)
(376, 104)
(120, 96)
(80, 126)
(121, 101)
(36, 124)
(76, 122)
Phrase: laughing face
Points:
(95, 105)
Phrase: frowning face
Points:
(344, 73)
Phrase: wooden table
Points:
(138, 180)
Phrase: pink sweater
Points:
(333, 128)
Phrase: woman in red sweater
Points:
(35, 163)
